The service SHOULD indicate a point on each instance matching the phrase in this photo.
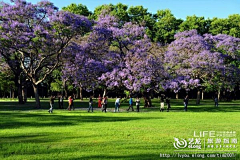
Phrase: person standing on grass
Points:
(117, 104)
(168, 103)
(130, 104)
(185, 102)
(105, 101)
(216, 101)
(162, 103)
(138, 103)
(99, 101)
(90, 104)
(102, 103)
(70, 103)
(51, 104)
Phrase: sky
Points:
(180, 8)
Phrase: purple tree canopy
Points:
(38, 34)
(82, 67)
(115, 55)
(194, 58)
(128, 49)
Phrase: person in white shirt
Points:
(117, 104)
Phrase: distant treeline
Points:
(163, 25)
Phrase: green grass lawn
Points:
(26, 133)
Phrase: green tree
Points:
(194, 22)
(6, 79)
(141, 16)
(79, 9)
(119, 11)
(234, 23)
(219, 26)
(56, 84)
(166, 26)
(229, 26)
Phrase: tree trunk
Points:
(150, 101)
(235, 93)
(13, 94)
(147, 101)
(80, 93)
(24, 93)
(65, 90)
(224, 94)
(198, 97)
(177, 95)
(65, 93)
(18, 83)
(35, 89)
(104, 92)
(202, 95)
(219, 94)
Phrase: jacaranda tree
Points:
(38, 34)
(82, 66)
(114, 55)
(133, 67)
(193, 58)
(230, 47)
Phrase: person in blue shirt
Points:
(130, 104)
(90, 104)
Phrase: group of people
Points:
(167, 100)
(103, 102)
(131, 104)
(162, 100)
(60, 103)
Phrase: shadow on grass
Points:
(223, 107)
(7, 106)
(24, 119)
(42, 137)
(195, 109)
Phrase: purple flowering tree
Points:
(38, 34)
(192, 62)
(114, 55)
(127, 47)
(82, 66)
(230, 47)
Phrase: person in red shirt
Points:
(99, 101)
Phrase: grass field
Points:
(26, 133)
